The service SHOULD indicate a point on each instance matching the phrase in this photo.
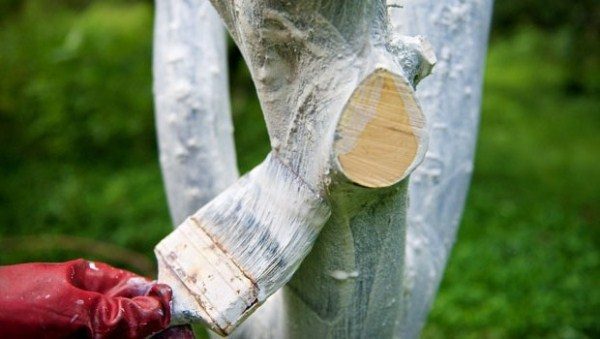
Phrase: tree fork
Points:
(319, 67)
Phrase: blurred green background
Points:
(79, 174)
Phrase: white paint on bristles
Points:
(237, 249)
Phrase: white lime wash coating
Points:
(375, 267)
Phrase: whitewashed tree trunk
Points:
(451, 99)
(191, 94)
(357, 281)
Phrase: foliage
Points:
(78, 160)
(545, 14)
(76, 125)
(579, 24)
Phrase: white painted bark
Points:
(354, 283)
(451, 99)
(191, 92)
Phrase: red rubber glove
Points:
(80, 299)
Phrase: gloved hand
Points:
(80, 299)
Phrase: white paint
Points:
(305, 69)
(343, 275)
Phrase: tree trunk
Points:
(370, 273)
(191, 93)
(451, 99)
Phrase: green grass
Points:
(79, 174)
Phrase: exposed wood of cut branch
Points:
(380, 132)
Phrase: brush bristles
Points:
(242, 246)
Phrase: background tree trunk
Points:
(451, 100)
(191, 94)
